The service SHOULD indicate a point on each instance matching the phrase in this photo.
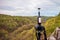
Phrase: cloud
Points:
(29, 7)
(57, 2)
(7, 8)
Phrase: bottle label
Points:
(39, 20)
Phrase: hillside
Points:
(14, 27)
(52, 24)
(22, 28)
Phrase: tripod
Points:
(40, 30)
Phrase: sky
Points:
(29, 7)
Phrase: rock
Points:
(52, 38)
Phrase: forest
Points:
(22, 27)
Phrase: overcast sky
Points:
(29, 7)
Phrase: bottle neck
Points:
(39, 13)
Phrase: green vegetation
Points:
(52, 24)
(16, 27)
(22, 28)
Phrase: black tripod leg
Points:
(38, 36)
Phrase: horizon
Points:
(27, 15)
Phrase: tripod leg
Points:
(39, 36)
